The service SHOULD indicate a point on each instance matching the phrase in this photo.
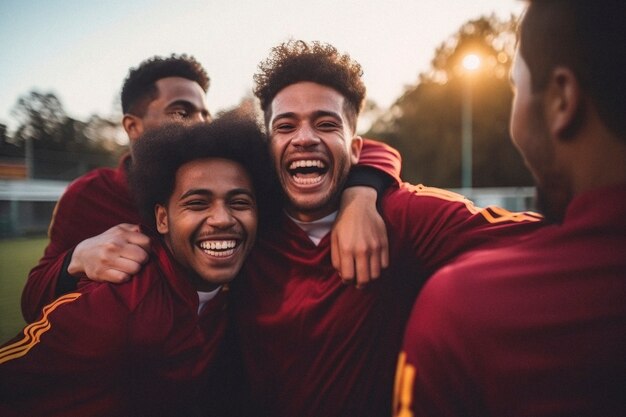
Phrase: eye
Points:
(196, 204)
(242, 203)
(178, 114)
(283, 128)
(327, 125)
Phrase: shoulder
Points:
(92, 183)
(444, 205)
(421, 194)
(471, 289)
(89, 179)
(147, 285)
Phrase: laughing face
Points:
(313, 147)
(210, 221)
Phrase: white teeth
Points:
(305, 163)
(306, 181)
(218, 247)
(218, 244)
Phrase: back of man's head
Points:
(140, 89)
(296, 61)
(588, 37)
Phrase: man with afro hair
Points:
(152, 346)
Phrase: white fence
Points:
(26, 205)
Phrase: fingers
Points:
(120, 271)
(135, 250)
(362, 263)
(113, 256)
(135, 237)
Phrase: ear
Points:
(355, 149)
(132, 125)
(563, 103)
(160, 213)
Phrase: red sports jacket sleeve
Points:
(382, 157)
(91, 205)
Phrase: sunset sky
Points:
(82, 50)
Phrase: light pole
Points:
(471, 62)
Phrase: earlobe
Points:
(160, 213)
(132, 125)
(355, 149)
(563, 103)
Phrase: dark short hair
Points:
(140, 85)
(589, 38)
(162, 151)
(296, 60)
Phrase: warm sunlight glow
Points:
(471, 62)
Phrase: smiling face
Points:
(210, 221)
(178, 100)
(313, 147)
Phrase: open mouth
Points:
(307, 171)
(219, 248)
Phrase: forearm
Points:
(45, 282)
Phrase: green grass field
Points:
(17, 258)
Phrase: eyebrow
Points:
(205, 192)
(316, 114)
(183, 103)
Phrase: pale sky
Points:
(81, 50)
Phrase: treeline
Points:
(425, 123)
(53, 145)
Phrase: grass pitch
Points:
(17, 258)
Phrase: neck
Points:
(597, 161)
(306, 215)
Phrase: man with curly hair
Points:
(311, 346)
(95, 234)
(152, 346)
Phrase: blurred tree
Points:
(425, 124)
(8, 150)
(60, 147)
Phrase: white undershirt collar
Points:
(204, 297)
(317, 229)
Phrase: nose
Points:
(200, 117)
(305, 137)
(220, 217)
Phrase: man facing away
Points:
(312, 346)
(151, 345)
(537, 326)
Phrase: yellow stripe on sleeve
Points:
(33, 332)
(492, 214)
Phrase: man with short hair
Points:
(95, 227)
(311, 346)
(537, 326)
(152, 346)
(94, 232)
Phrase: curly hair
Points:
(139, 88)
(234, 136)
(296, 60)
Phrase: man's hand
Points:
(113, 256)
(359, 246)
